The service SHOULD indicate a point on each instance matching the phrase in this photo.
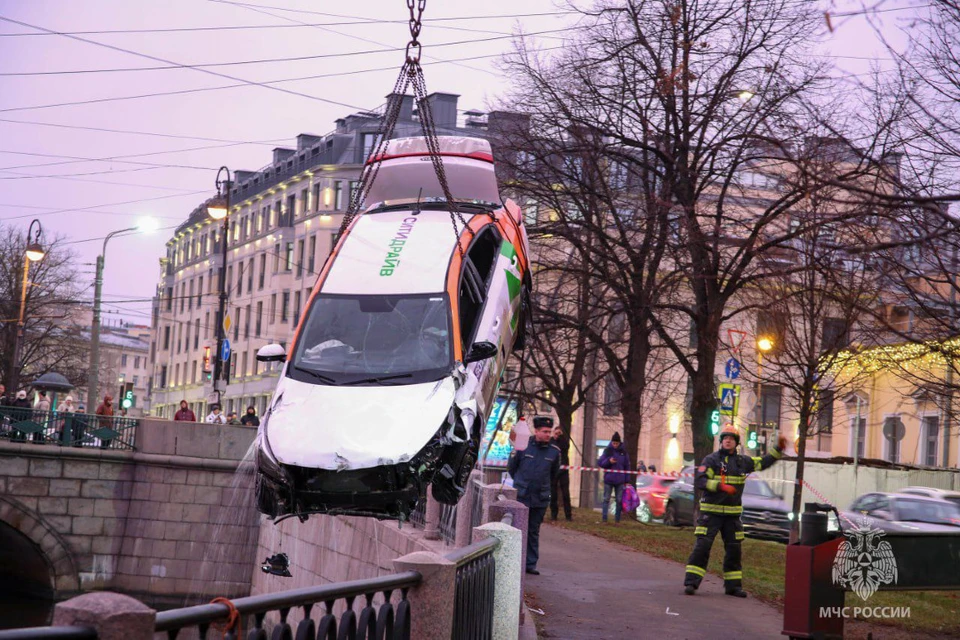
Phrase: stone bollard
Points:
(431, 527)
(521, 518)
(431, 603)
(508, 594)
(114, 616)
(464, 525)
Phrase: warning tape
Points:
(669, 474)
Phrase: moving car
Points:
(652, 491)
(765, 514)
(905, 512)
(930, 492)
(395, 365)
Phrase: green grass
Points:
(763, 567)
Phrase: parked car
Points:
(904, 512)
(765, 514)
(652, 491)
(395, 365)
(942, 494)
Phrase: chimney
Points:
(280, 154)
(306, 140)
(406, 105)
(341, 125)
(444, 109)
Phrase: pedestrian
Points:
(185, 414)
(4, 400)
(534, 471)
(250, 418)
(232, 418)
(43, 404)
(642, 468)
(105, 419)
(561, 488)
(721, 478)
(66, 411)
(616, 461)
(21, 413)
(215, 417)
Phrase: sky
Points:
(60, 165)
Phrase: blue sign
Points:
(500, 449)
(225, 351)
(733, 368)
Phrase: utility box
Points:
(810, 591)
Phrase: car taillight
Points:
(659, 495)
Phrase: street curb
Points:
(528, 630)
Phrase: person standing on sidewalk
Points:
(721, 478)
(185, 414)
(561, 487)
(615, 461)
(105, 418)
(534, 471)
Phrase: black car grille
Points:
(762, 518)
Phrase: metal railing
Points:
(473, 594)
(50, 633)
(386, 622)
(67, 429)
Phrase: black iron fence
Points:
(67, 429)
(473, 596)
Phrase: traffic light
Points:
(752, 438)
(715, 422)
(127, 399)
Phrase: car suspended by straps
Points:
(395, 365)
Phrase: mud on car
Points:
(395, 365)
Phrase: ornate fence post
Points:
(465, 510)
(114, 616)
(507, 596)
(431, 602)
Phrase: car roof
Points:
(933, 491)
(394, 252)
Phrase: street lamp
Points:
(146, 225)
(219, 209)
(34, 253)
(764, 344)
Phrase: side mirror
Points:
(479, 351)
(272, 353)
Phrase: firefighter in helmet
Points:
(721, 478)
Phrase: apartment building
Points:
(283, 223)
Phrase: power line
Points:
(97, 206)
(129, 131)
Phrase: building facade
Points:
(283, 223)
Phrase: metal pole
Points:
(945, 456)
(18, 343)
(221, 312)
(93, 374)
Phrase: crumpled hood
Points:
(329, 427)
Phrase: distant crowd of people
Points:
(216, 416)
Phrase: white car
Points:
(942, 494)
(395, 366)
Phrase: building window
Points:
(123, 360)
(300, 255)
(259, 319)
(166, 338)
(892, 430)
(276, 257)
(243, 365)
(304, 201)
(186, 344)
(240, 278)
(247, 225)
(246, 323)
(931, 436)
(196, 335)
(611, 396)
(316, 199)
(136, 380)
(263, 271)
(288, 257)
(200, 292)
(176, 375)
(291, 209)
(285, 306)
(296, 308)
(206, 323)
(338, 195)
(236, 325)
(179, 336)
(163, 376)
(190, 299)
(273, 308)
(229, 277)
(260, 219)
(183, 296)
(836, 334)
(136, 362)
(193, 373)
(250, 276)
(169, 298)
(770, 406)
(825, 411)
(313, 255)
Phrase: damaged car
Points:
(396, 362)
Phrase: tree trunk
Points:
(801, 457)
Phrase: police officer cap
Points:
(542, 421)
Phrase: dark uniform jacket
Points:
(721, 467)
(534, 471)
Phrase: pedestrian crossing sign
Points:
(729, 399)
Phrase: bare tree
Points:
(50, 338)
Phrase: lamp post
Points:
(219, 209)
(93, 374)
(764, 344)
(33, 253)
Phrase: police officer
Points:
(534, 471)
(720, 478)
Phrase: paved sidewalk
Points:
(591, 588)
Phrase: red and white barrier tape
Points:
(670, 474)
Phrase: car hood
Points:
(337, 428)
(750, 501)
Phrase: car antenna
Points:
(419, 193)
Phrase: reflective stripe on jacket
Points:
(721, 467)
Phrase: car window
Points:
(483, 252)
(864, 503)
(955, 501)
(644, 481)
(758, 488)
(909, 510)
(471, 303)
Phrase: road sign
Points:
(227, 323)
(729, 399)
(225, 351)
(733, 368)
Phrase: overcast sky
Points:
(204, 126)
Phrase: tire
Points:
(449, 490)
(670, 515)
(643, 513)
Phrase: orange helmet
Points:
(730, 430)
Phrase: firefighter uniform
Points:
(720, 512)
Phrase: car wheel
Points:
(643, 513)
(670, 515)
(450, 481)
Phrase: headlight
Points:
(790, 516)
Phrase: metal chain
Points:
(416, 16)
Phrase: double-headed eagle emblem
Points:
(864, 560)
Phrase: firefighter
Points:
(721, 478)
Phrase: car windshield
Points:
(758, 488)
(374, 339)
(932, 511)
